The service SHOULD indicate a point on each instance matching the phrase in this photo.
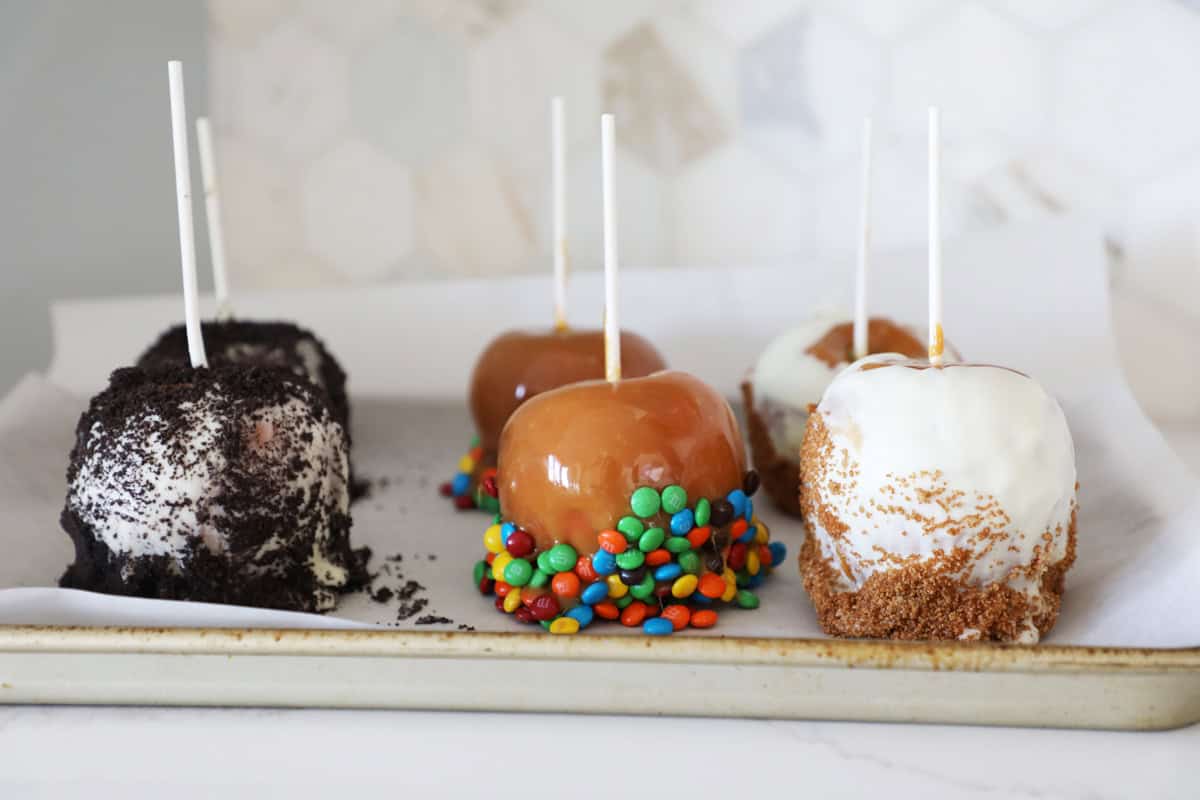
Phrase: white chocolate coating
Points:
(968, 460)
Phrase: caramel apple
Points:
(520, 365)
(625, 500)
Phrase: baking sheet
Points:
(1033, 299)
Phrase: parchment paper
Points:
(1032, 298)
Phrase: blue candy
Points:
(506, 531)
(700, 598)
(460, 484)
(682, 522)
(594, 593)
(657, 626)
(668, 572)
(749, 513)
(778, 553)
(582, 614)
(749, 534)
(737, 499)
(752, 582)
(604, 562)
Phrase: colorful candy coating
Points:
(674, 499)
(682, 522)
(645, 502)
(652, 539)
(703, 511)
(564, 625)
(631, 559)
(632, 527)
(562, 557)
(658, 627)
(518, 572)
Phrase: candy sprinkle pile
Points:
(469, 490)
(663, 567)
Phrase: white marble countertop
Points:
(183, 753)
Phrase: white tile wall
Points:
(388, 139)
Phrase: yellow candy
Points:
(466, 464)
(492, 541)
(502, 561)
(512, 601)
(564, 625)
(730, 585)
(764, 533)
(616, 589)
(684, 586)
(752, 564)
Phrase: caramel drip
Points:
(571, 459)
(883, 336)
(521, 364)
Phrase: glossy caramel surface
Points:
(519, 365)
(883, 336)
(571, 458)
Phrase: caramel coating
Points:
(519, 365)
(883, 336)
(570, 459)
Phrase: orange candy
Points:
(698, 536)
(656, 558)
(764, 555)
(612, 542)
(633, 614)
(565, 584)
(606, 610)
(502, 588)
(476, 454)
(712, 585)
(738, 528)
(489, 558)
(583, 568)
(704, 618)
(679, 616)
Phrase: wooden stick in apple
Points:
(183, 198)
(937, 339)
(864, 246)
(612, 325)
(212, 215)
(559, 190)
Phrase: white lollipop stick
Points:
(612, 326)
(937, 341)
(183, 197)
(212, 214)
(559, 147)
(864, 247)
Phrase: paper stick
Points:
(936, 338)
(212, 215)
(559, 148)
(183, 197)
(861, 347)
(612, 326)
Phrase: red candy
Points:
(737, 556)
(612, 542)
(705, 618)
(738, 528)
(678, 615)
(502, 588)
(476, 454)
(698, 536)
(520, 544)
(488, 484)
(583, 568)
(486, 585)
(544, 607)
(525, 615)
(499, 603)
(445, 490)
(464, 502)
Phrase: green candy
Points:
(645, 502)
(643, 589)
(496, 518)
(543, 562)
(690, 563)
(486, 501)
(631, 559)
(518, 572)
(651, 540)
(624, 600)
(743, 577)
(546, 624)
(632, 527)
(539, 579)
(561, 558)
(746, 598)
(481, 569)
(703, 512)
(678, 544)
(674, 499)
(474, 441)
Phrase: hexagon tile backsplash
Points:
(388, 139)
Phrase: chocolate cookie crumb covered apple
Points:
(519, 365)
(940, 499)
(624, 499)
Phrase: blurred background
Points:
(388, 140)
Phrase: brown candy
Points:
(570, 459)
(518, 365)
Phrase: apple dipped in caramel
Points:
(625, 500)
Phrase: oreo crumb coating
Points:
(221, 485)
(272, 344)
